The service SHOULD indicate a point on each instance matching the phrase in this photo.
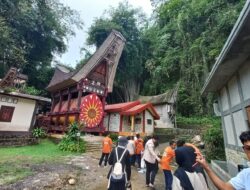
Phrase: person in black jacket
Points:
(121, 184)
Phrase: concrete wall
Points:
(234, 98)
(22, 116)
(164, 120)
(149, 128)
(139, 126)
(112, 122)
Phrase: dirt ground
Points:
(81, 169)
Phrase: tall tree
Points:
(130, 22)
(187, 36)
(33, 32)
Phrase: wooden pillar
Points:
(121, 121)
(68, 106)
(59, 108)
(60, 102)
(132, 123)
(103, 99)
(79, 98)
(143, 121)
(53, 103)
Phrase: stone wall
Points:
(167, 134)
(234, 158)
(16, 139)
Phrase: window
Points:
(6, 113)
(149, 121)
(248, 114)
(137, 120)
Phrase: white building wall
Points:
(114, 122)
(234, 92)
(164, 120)
(149, 128)
(106, 121)
(224, 99)
(229, 130)
(245, 80)
(125, 124)
(22, 115)
(240, 124)
(139, 126)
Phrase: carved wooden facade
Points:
(68, 89)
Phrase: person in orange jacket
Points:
(138, 149)
(106, 149)
(167, 157)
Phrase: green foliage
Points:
(16, 161)
(114, 137)
(31, 90)
(198, 121)
(214, 143)
(185, 40)
(71, 142)
(212, 134)
(31, 33)
(130, 71)
(39, 133)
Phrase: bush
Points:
(71, 142)
(214, 143)
(197, 121)
(114, 137)
(30, 90)
(39, 133)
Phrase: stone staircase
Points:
(93, 147)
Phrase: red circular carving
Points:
(91, 110)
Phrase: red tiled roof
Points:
(139, 108)
(121, 106)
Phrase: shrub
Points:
(114, 137)
(30, 90)
(39, 133)
(71, 142)
(214, 143)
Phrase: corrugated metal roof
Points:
(139, 108)
(167, 97)
(120, 107)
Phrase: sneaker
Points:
(99, 166)
(141, 171)
(151, 185)
(147, 185)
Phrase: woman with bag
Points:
(120, 172)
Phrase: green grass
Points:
(15, 162)
(198, 121)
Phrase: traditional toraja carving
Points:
(13, 78)
(95, 77)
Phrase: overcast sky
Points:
(90, 9)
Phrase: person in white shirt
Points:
(240, 181)
(131, 149)
(151, 159)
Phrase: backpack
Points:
(117, 174)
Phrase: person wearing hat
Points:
(122, 153)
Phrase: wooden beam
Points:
(132, 123)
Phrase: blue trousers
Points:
(168, 179)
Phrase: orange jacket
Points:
(167, 157)
(107, 145)
(139, 146)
